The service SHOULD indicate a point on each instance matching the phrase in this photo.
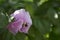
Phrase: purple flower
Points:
(22, 22)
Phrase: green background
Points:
(45, 25)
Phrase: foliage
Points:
(46, 25)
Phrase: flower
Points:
(22, 22)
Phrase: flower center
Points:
(24, 24)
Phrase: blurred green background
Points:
(45, 16)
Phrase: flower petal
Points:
(18, 14)
(25, 29)
(13, 27)
(20, 17)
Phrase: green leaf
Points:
(6, 35)
(55, 33)
(34, 34)
(3, 20)
(42, 25)
(41, 10)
